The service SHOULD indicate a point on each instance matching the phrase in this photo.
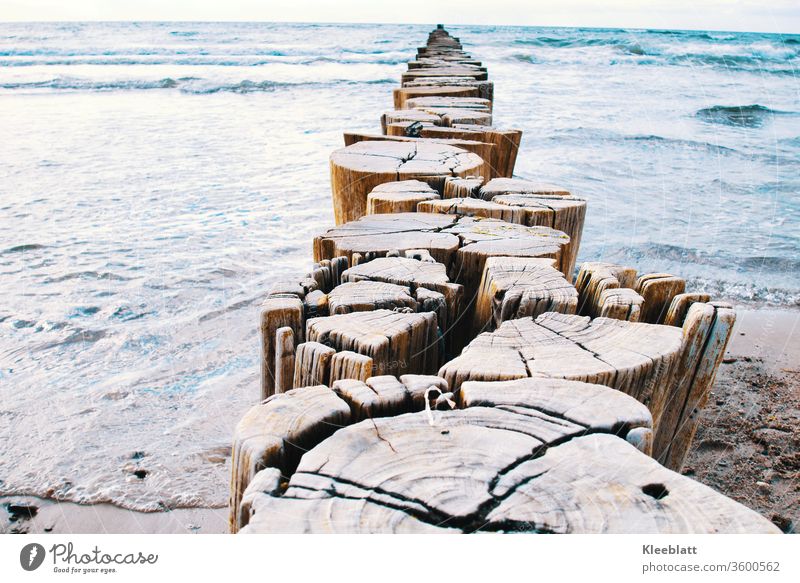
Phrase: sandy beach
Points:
(747, 446)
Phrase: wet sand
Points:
(747, 445)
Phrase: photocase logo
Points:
(31, 556)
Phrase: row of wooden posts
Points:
(442, 369)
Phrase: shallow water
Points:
(156, 178)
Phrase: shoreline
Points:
(755, 398)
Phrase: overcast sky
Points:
(750, 15)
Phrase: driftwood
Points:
(357, 169)
(515, 287)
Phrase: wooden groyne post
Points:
(442, 368)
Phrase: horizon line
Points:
(373, 23)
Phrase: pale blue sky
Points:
(752, 15)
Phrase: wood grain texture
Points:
(398, 343)
(399, 197)
(632, 357)
(518, 287)
(401, 95)
(277, 312)
(356, 170)
(502, 468)
(597, 277)
(275, 434)
(505, 141)
(658, 290)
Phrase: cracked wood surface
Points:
(507, 463)
(398, 343)
(633, 357)
(357, 169)
(519, 287)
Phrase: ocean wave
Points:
(191, 85)
(256, 60)
(23, 248)
(581, 134)
(714, 272)
(524, 58)
(749, 116)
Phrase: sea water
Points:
(156, 178)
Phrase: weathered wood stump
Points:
(680, 307)
(357, 169)
(444, 72)
(276, 433)
(638, 359)
(438, 116)
(403, 94)
(518, 458)
(397, 342)
(707, 328)
(448, 102)
(658, 289)
(409, 116)
(482, 149)
(484, 238)
(501, 186)
(399, 197)
(566, 214)
(462, 244)
(474, 207)
(417, 276)
(363, 296)
(506, 142)
(485, 89)
(515, 287)
(545, 205)
(597, 278)
(462, 187)
(277, 313)
(621, 304)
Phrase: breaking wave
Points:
(750, 116)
